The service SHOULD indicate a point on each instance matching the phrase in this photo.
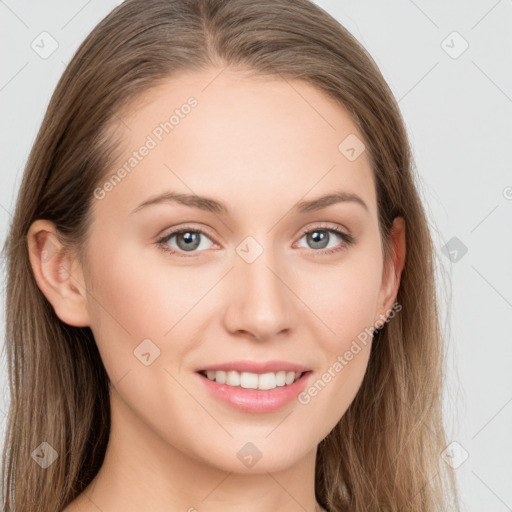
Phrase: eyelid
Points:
(324, 225)
(186, 227)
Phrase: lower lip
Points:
(256, 400)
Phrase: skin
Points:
(260, 145)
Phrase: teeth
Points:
(281, 378)
(248, 380)
(233, 379)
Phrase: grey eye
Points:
(321, 238)
(187, 240)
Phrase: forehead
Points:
(222, 131)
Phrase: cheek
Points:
(121, 306)
(132, 302)
(344, 297)
(132, 310)
(345, 357)
(331, 392)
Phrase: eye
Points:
(322, 239)
(185, 239)
(326, 240)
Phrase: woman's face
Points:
(258, 276)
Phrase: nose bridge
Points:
(260, 302)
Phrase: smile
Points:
(254, 393)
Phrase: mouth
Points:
(249, 380)
(254, 392)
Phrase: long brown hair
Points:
(384, 453)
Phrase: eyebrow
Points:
(214, 206)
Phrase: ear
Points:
(392, 271)
(58, 274)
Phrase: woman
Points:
(220, 276)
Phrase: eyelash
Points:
(347, 240)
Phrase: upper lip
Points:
(256, 367)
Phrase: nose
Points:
(260, 303)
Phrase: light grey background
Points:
(457, 106)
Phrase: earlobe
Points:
(392, 272)
(57, 274)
